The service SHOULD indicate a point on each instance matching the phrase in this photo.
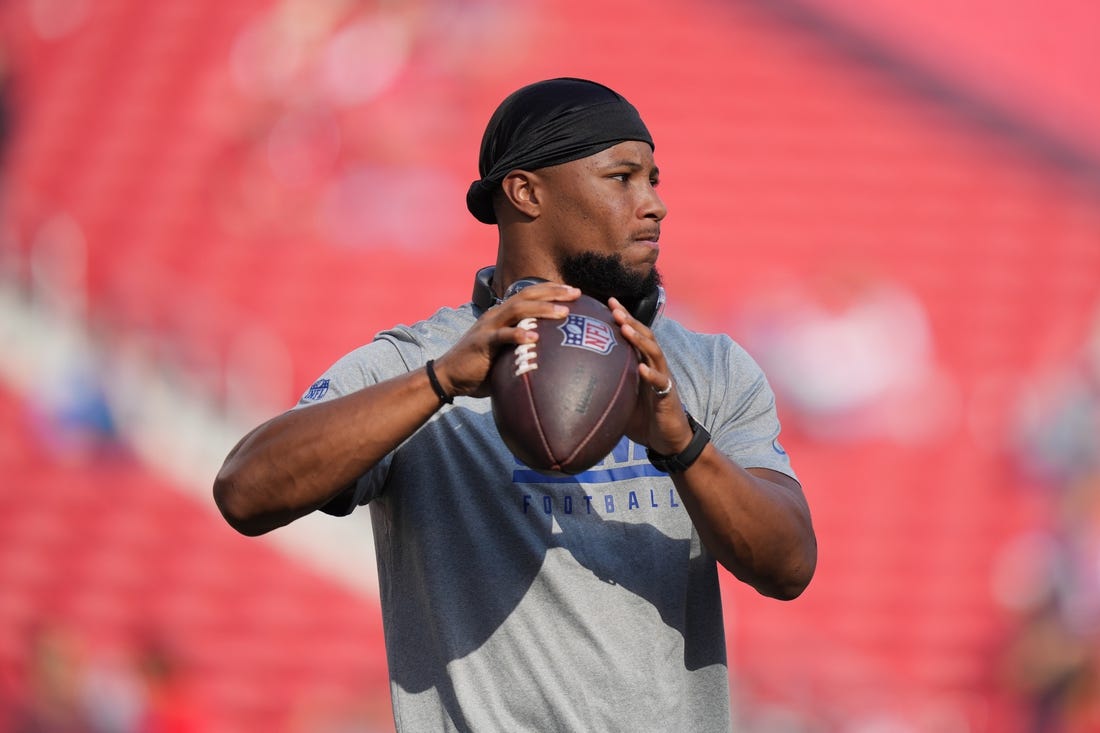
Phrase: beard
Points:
(603, 276)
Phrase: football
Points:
(562, 403)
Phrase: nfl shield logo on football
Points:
(587, 333)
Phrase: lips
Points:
(648, 247)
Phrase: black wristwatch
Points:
(682, 460)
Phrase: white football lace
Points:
(525, 353)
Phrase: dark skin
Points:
(756, 522)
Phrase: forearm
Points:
(756, 523)
(295, 463)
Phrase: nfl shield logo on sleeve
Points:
(316, 390)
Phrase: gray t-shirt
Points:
(514, 601)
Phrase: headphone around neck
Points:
(647, 310)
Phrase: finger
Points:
(639, 335)
(523, 332)
(547, 292)
(619, 311)
(518, 316)
(661, 383)
(627, 321)
(504, 318)
(653, 369)
(549, 301)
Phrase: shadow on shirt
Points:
(460, 547)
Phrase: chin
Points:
(602, 275)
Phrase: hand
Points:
(659, 421)
(464, 369)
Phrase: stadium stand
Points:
(127, 564)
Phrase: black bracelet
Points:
(682, 460)
(444, 398)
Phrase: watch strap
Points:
(682, 460)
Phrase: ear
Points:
(521, 191)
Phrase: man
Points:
(514, 601)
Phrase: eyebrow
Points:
(633, 165)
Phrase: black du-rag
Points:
(549, 123)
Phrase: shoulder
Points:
(433, 334)
(392, 352)
(712, 371)
(683, 345)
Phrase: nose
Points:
(653, 207)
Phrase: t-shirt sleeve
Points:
(746, 425)
(367, 365)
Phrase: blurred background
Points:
(894, 206)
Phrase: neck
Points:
(532, 263)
